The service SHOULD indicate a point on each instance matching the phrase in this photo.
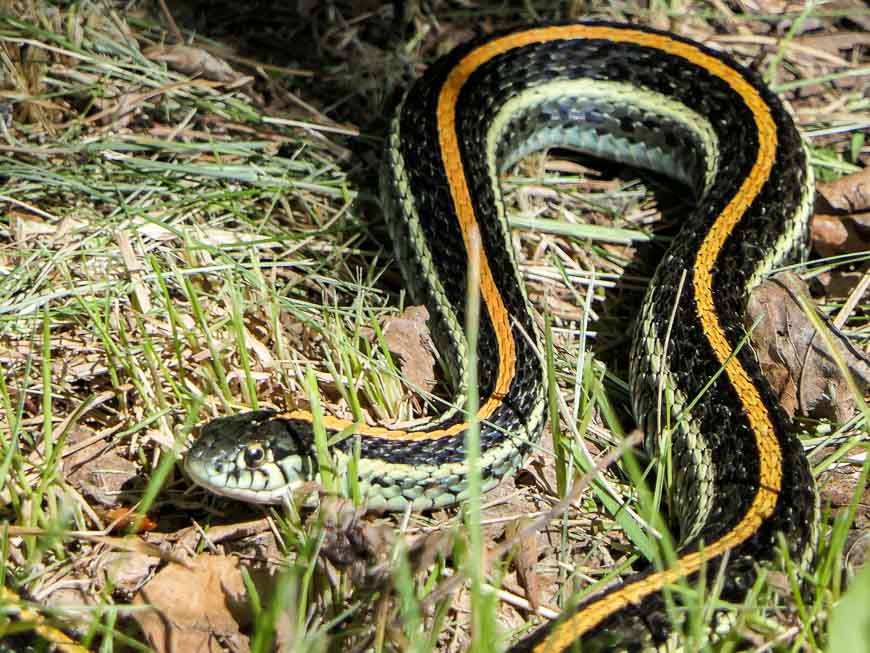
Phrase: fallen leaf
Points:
(228, 535)
(840, 234)
(70, 601)
(795, 358)
(203, 607)
(97, 471)
(408, 337)
(848, 194)
(525, 561)
(126, 571)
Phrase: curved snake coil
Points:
(633, 95)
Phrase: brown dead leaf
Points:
(195, 62)
(201, 608)
(408, 337)
(847, 194)
(70, 599)
(126, 571)
(841, 234)
(795, 358)
(525, 560)
(257, 532)
(97, 471)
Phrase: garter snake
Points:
(637, 96)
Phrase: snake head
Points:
(255, 457)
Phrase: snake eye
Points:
(255, 455)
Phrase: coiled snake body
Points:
(634, 95)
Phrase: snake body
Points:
(634, 95)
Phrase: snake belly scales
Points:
(637, 96)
